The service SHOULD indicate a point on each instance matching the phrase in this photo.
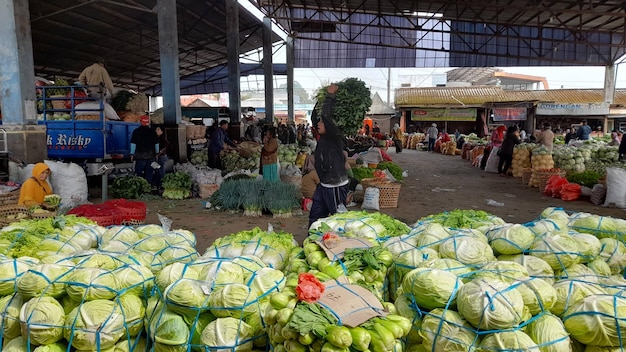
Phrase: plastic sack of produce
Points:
(554, 185)
(375, 226)
(570, 191)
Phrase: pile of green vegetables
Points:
(177, 185)
(255, 196)
(130, 187)
(462, 281)
(365, 172)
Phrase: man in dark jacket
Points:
(218, 138)
(144, 147)
(506, 150)
(330, 163)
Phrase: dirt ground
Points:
(436, 183)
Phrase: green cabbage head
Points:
(172, 272)
(94, 325)
(53, 347)
(135, 279)
(234, 300)
(18, 344)
(266, 280)
(91, 283)
(134, 312)
(10, 271)
(588, 246)
(446, 331)
(504, 271)
(598, 320)
(10, 307)
(538, 295)
(549, 333)
(187, 296)
(569, 292)
(432, 288)
(614, 254)
(43, 279)
(42, 320)
(467, 250)
(227, 334)
(535, 266)
(510, 239)
(490, 304)
(510, 341)
(559, 250)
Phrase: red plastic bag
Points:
(78, 94)
(553, 186)
(570, 191)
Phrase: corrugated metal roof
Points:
(479, 96)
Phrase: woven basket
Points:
(389, 191)
(43, 214)
(104, 220)
(543, 177)
(12, 213)
(526, 173)
(131, 211)
(10, 198)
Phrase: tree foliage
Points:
(353, 101)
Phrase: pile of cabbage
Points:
(376, 227)
(555, 284)
(85, 287)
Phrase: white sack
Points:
(93, 108)
(69, 181)
(615, 187)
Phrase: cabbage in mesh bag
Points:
(95, 325)
(42, 320)
(598, 320)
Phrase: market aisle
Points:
(435, 183)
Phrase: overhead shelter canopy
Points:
(68, 35)
(443, 33)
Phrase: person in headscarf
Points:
(396, 136)
(36, 188)
(310, 180)
(329, 163)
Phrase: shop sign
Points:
(575, 109)
(443, 114)
(509, 114)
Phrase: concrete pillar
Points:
(168, 47)
(17, 73)
(290, 63)
(268, 69)
(170, 83)
(232, 45)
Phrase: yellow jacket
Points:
(96, 75)
(34, 190)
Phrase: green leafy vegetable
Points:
(394, 169)
(310, 317)
(130, 187)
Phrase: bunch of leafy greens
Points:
(362, 172)
(459, 218)
(310, 317)
(353, 101)
(23, 238)
(394, 169)
(585, 178)
(130, 187)
(177, 185)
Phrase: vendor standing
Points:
(144, 147)
(97, 75)
(36, 188)
(218, 138)
(269, 155)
